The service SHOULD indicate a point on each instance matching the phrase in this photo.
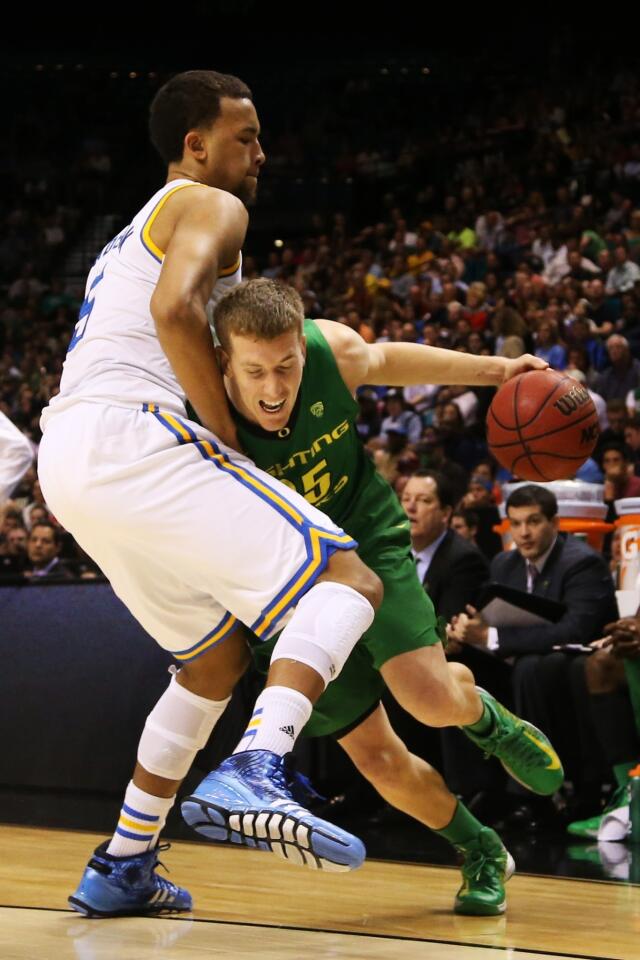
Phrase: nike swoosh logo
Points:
(549, 751)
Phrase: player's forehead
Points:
(250, 350)
(238, 114)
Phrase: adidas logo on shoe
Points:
(289, 729)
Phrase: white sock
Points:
(278, 717)
(142, 817)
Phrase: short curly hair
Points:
(188, 101)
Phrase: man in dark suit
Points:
(547, 683)
(451, 569)
(547, 564)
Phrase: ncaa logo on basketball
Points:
(317, 409)
(590, 435)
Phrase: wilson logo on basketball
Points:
(576, 397)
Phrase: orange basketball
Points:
(542, 425)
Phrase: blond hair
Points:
(261, 308)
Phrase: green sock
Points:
(484, 725)
(463, 828)
(621, 772)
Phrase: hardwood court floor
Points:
(249, 905)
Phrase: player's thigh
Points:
(406, 620)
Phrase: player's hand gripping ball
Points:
(542, 425)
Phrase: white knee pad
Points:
(178, 726)
(325, 627)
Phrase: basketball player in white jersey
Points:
(193, 537)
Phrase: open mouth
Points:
(272, 407)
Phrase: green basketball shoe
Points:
(486, 868)
(522, 749)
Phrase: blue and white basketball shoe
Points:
(125, 886)
(248, 800)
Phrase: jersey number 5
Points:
(315, 483)
(85, 313)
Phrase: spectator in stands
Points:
(432, 450)
(616, 415)
(617, 465)
(10, 517)
(43, 561)
(36, 508)
(623, 375)
(465, 523)
(579, 337)
(399, 418)
(13, 559)
(603, 310)
(389, 451)
(624, 274)
(632, 440)
(547, 346)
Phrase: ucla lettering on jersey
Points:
(114, 354)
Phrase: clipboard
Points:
(502, 606)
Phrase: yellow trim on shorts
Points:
(315, 536)
(266, 491)
(220, 634)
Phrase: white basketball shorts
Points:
(192, 535)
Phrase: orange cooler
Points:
(629, 523)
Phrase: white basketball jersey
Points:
(115, 355)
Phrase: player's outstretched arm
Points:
(404, 364)
(208, 234)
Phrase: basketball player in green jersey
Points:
(291, 383)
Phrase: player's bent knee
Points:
(325, 627)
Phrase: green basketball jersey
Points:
(320, 454)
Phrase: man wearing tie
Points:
(547, 684)
(451, 569)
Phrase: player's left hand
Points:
(521, 364)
